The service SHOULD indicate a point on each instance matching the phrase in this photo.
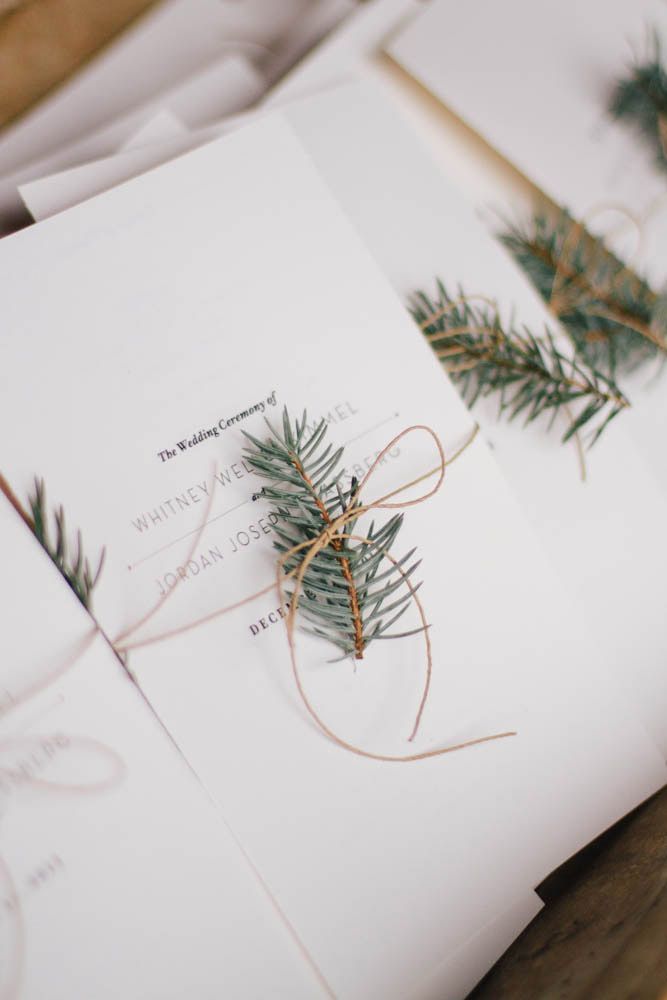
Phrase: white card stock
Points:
(109, 846)
(213, 305)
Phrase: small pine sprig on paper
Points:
(640, 99)
(75, 568)
(530, 376)
(614, 318)
(352, 595)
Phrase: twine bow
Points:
(332, 532)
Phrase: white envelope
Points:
(181, 275)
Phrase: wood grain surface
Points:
(603, 932)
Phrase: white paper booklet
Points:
(392, 194)
(538, 89)
(188, 305)
(118, 876)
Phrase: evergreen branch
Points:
(75, 568)
(349, 595)
(531, 376)
(641, 100)
(613, 316)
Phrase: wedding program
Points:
(392, 203)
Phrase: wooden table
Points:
(603, 932)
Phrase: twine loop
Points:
(307, 552)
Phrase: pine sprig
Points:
(352, 594)
(75, 567)
(530, 375)
(615, 319)
(641, 100)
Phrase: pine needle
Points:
(615, 320)
(641, 100)
(351, 593)
(530, 376)
(74, 566)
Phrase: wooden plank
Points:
(43, 42)
(605, 936)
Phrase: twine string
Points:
(119, 643)
(492, 334)
(567, 276)
(85, 745)
(39, 685)
(16, 503)
(308, 550)
(16, 952)
(322, 541)
(333, 532)
(123, 646)
(662, 133)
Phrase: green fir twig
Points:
(350, 596)
(75, 567)
(640, 99)
(615, 319)
(531, 376)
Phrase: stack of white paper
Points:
(109, 845)
(392, 193)
(215, 57)
(270, 267)
(557, 130)
(164, 263)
